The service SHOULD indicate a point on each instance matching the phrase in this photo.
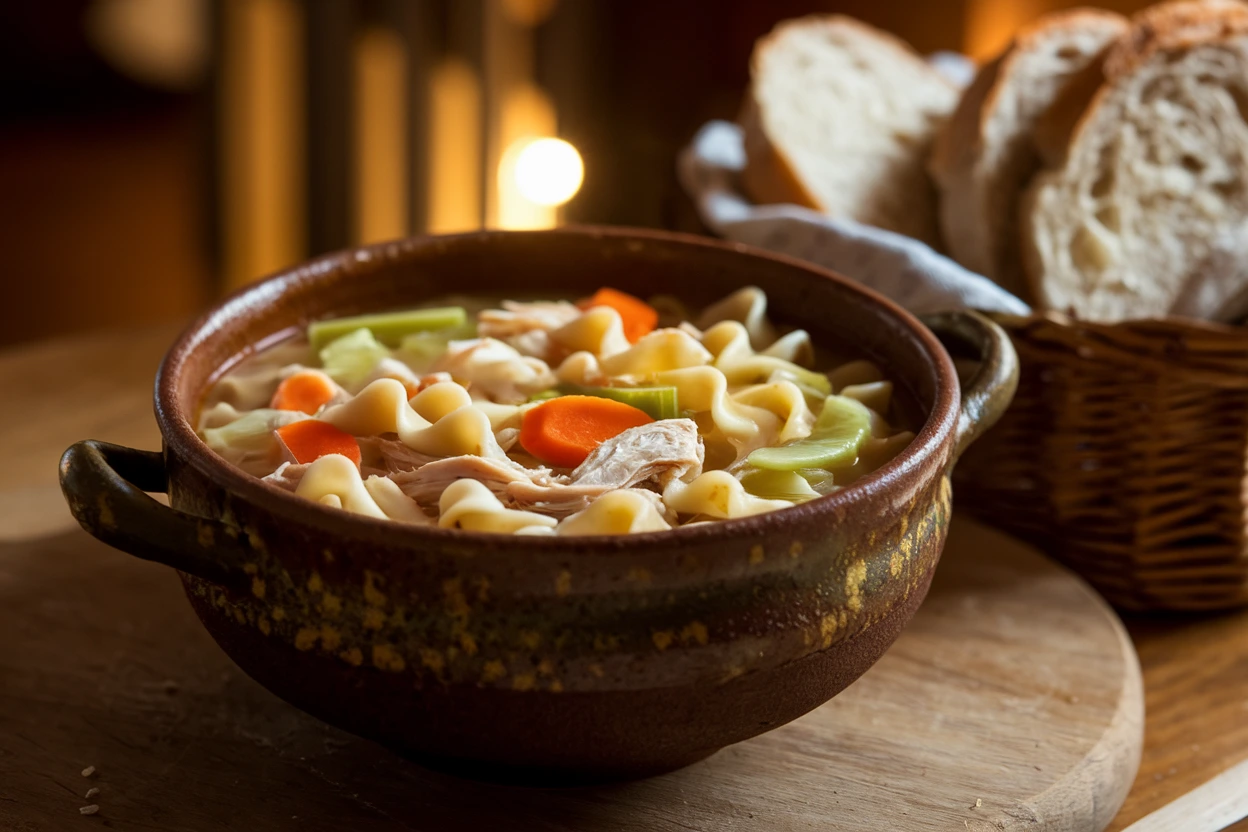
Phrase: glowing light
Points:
(548, 171)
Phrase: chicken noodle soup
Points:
(608, 416)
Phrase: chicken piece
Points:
(660, 451)
(426, 483)
(507, 438)
(397, 370)
(495, 370)
(288, 475)
(516, 486)
(558, 499)
(390, 455)
(527, 326)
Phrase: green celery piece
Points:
(843, 425)
(350, 359)
(253, 431)
(545, 395)
(778, 485)
(656, 402)
(421, 349)
(387, 327)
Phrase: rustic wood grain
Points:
(1207, 808)
(103, 664)
(954, 729)
(1196, 701)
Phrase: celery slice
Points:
(545, 395)
(656, 402)
(387, 327)
(778, 485)
(421, 350)
(350, 359)
(843, 425)
(251, 432)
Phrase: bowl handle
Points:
(104, 485)
(990, 389)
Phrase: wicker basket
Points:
(1124, 454)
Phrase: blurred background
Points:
(157, 153)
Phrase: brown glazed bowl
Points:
(549, 658)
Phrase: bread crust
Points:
(1167, 27)
(1180, 24)
(982, 173)
(770, 176)
(1176, 25)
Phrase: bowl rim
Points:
(181, 439)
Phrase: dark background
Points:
(111, 206)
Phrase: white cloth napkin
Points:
(899, 267)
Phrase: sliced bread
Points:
(1149, 203)
(840, 118)
(991, 147)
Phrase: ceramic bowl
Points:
(558, 658)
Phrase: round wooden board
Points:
(1012, 701)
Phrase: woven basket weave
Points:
(1124, 454)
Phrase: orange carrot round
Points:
(563, 431)
(638, 316)
(308, 440)
(306, 390)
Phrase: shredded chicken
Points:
(397, 370)
(658, 452)
(526, 326)
(495, 369)
(426, 483)
(390, 455)
(287, 475)
(507, 438)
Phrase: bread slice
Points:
(987, 152)
(840, 118)
(1149, 205)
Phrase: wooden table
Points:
(54, 393)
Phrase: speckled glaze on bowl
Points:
(568, 658)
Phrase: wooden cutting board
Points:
(1012, 701)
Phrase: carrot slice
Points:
(306, 390)
(639, 317)
(565, 430)
(308, 440)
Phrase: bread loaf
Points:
(987, 152)
(1146, 212)
(840, 117)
